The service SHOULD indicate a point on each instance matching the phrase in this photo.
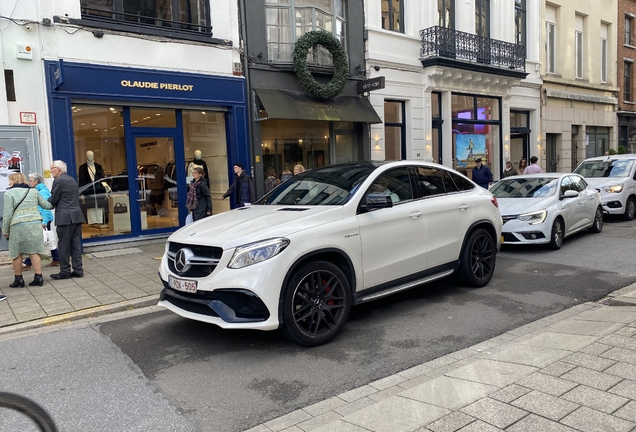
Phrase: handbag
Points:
(50, 241)
(120, 208)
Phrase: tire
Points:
(477, 261)
(630, 209)
(29, 408)
(316, 304)
(557, 234)
(597, 225)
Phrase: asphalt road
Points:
(159, 371)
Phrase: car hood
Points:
(516, 206)
(257, 222)
(597, 182)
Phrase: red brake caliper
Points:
(327, 290)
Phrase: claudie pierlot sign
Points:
(157, 85)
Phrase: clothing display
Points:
(198, 163)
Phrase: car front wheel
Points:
(630, 209)
(556, 238)
(316, 304)
(477, 262)
(597, 225)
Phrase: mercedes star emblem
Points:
(182, 260)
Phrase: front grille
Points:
(509, 238)
(193, 272)
(202, 251)
(204, 263)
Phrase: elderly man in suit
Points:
(69, 219)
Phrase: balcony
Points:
(448, 47)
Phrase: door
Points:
(155, 194)
(570, 207)
(393, 239)
(552, 158)
(518, 149)
(587, 207)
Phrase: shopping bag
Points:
(189, 219)
(50, 241)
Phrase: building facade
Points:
(289, 126)
(131, 97)
(579, 95)
(626, 47)
(462, 80)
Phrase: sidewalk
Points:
(572, 371)
(114, 280)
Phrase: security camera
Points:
(377, 68)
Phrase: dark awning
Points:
(293, 105)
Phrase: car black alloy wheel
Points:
(630, 209)
(556, 239)
(597, 225)
(316, 305)
(478, 259)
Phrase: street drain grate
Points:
(116, 252)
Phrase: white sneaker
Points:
(3, 297)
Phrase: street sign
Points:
(371, 84)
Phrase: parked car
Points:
(614, 177)
(327, 239)
(546, 208)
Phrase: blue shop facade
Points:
(132, 137)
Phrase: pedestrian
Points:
(242, 187)
(22, 225)
(198, 200)
(285, 175)
(533, 168)
(298, 169)
(509, 171)
(270, 180)
(37, 181)
(523, 164)
(482, 174)
(68, 219)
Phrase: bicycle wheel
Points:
(30, 409)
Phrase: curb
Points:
(82, 314)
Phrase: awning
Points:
(293, 105)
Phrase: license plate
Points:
(182, 285)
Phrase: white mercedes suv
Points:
(328, 239)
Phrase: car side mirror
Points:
(570, 194)
(374, 201)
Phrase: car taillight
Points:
(494, 202)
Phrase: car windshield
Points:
(332, 185)
(519, 187)
(606, 168)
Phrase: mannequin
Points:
(199, 162)
(90, 172)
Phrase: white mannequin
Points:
(197, 156)
(90, 162)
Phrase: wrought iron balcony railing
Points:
(443, 42)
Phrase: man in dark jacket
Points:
(242, 187)
(482, 174)
(68, 219)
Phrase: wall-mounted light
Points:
(377, 143)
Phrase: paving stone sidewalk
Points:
(572, 371)
(113, 280)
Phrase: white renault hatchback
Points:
(327, 239)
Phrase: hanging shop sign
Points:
(371, 84)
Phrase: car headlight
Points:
(534, 218)
(614, 188)
(253, 253)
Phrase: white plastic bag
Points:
(189, 219)
(50, 241)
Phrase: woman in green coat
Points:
(22, 225)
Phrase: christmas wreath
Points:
(341, 66)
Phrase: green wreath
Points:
(341, 66)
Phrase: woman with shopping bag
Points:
(50, 242)
(199, 201)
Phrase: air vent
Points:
(293, 209)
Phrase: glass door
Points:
(156, 192)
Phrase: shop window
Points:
(205, 145)
(153, 118)
(392, 15)
(288, 20)
(394, 130)
(176, 15)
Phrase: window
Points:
(395, 183)
(482, 18)
(178, 15)
(10, 85)
(392, 15)
(428, 182)
(550, 47)
(604, 32)
(627, 83)
(628, 30)
(394, 131)
(288, 20)
(578, 47)
(520, 22)
(446, 13)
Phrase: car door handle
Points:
(415, 214)
(463, 206)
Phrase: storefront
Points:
(131, 137)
